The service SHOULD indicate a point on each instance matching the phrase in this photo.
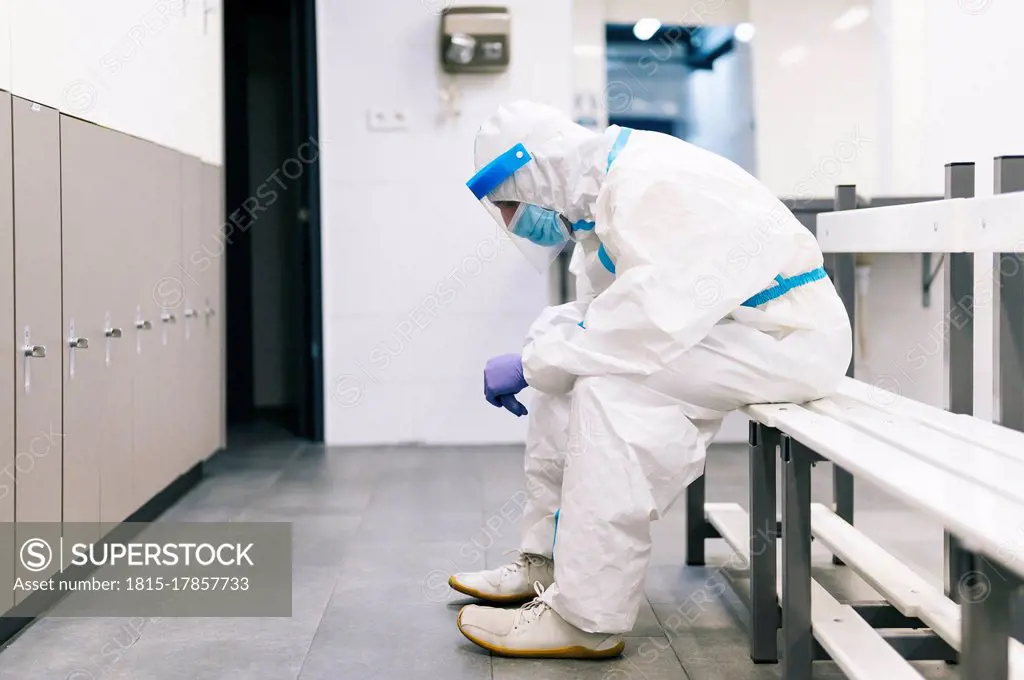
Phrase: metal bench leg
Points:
(959, 564)
(842, 498)
(764, 602)
(985, 623)
(696, 523)
(797, 636)
(844, 278)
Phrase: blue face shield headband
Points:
(539, 233)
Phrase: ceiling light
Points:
(851, 18)
(646, 28)
(744, 32)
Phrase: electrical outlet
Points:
(387, 120)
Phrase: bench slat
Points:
(904, 588)
(997, 472)
(907, 590)
(1002, 440)
(851, 642)
(984, 521)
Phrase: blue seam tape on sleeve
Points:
(784, 285)
(620, 142)
(554, 534)
(602, 255)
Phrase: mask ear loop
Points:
(570, 234)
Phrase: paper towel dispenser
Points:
(475, 39)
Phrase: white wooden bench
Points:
(945, 473)
(965, 473)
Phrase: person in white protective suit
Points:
(698, 293)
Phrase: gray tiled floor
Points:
(376, 533)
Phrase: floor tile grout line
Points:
(667, 638)
(323, 614)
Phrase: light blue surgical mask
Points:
(540, 226)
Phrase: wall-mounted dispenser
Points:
(475, 39)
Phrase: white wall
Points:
(150, 68)
(902, 28)
(209, 105)
(415, 297)
(589, 68)
(903, 342)
(815, 97)
(949, 89)
(973, 96)
(5, 45)
(950, 94)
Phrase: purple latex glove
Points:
(503, 379)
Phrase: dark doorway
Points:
(661, 125)
(692, 82)
(274, 369)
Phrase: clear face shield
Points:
(539, 234)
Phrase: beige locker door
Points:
(118, 495)
(159, 301)
(83, 289)
(7, 352)
(171, 308)
(97, 379)
(212, 277)
(142, 331)
(38, 323)
(194, 350)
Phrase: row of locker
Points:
(111, 318)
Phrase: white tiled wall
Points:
(415, 297)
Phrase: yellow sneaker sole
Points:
(573, 652)
(507, 599)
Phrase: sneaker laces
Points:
(524, 560)
(532, 610)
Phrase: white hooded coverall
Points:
(637, 374)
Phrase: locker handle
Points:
(35, 351)
(112, 332)
(209, 311)
(144, 325)
(191, 313)
(78, 343)
(168, 318)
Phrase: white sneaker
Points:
(510, 583)
(534, 630)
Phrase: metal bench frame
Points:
(987, 622)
